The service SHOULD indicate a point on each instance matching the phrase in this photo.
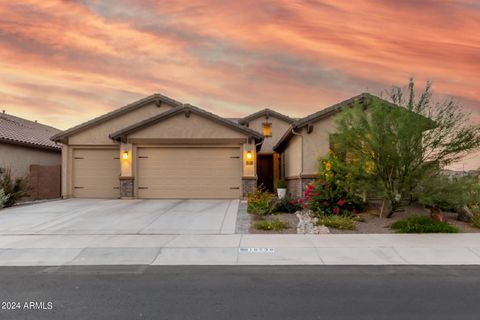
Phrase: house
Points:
(27, 151)
(158, 147)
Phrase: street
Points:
(214, 292)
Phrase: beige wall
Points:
(308, 148)
(19, 158)
(181, 127)
(293, 159)
(316, 144)
(279, 127)
(98, 135)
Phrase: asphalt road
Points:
(319, 292)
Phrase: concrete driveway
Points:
(92, 216)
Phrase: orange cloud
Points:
(64, 62)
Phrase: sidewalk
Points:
(237, 249)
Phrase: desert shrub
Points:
(274, 224)
(422, 224)
(342, 222)
(260, 202)
(334, 192)
(448, 193)
(15, 189)
(288, 204)
(476, 216)
(3, 198)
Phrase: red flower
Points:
(305, 206)
(321, 182)
(300, 201)
(325, 203)
(316, 194)
(336, 210)
(341, 202)
(292, 202)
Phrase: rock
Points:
(307, 224)
(437, 214)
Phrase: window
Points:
(267, 129)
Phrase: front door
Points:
(265, 171)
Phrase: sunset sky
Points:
(64, 62)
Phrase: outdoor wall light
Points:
(249, 155)
(125, 155)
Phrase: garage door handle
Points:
(234, 157)
(78, 187)
(142, 187)
(116, 187)
(234, 188)
(116, 158)
(142, 157)
(78, 158)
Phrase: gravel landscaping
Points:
(374, 224)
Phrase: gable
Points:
(193, 126)
(278, 129)
(99, 134)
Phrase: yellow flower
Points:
(328, 166)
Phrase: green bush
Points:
(342, 222)
(281, 184)
(15, 189)
(274, 224)
(422, 224)
(288, 204)
(3, 198)
(475, 216)
(260, 202)
(448, 193)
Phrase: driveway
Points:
(92, 216)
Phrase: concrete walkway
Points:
(236, 249)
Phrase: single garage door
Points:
(96, 173)
(195, 172)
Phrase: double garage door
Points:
(161, 172)
(188, 172)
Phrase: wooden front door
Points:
(265, 171)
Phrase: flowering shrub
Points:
(260, 202)
(333, 193)
(288, 204)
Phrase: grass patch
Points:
(271, 225)
(422, 224)
(342, 222)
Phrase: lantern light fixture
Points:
(249, 155)
(125, 155)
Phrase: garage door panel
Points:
(189, 172)
(96, 173)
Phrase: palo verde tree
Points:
(394, 145)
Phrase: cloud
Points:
(68, 61)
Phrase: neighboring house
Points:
(26, 150)
(160, 148)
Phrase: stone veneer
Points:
(126, 187)
(297, 186)
(248, 185)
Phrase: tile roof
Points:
(28, 133)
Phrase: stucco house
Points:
(27, 151)
(158, 147)
(24, 143)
